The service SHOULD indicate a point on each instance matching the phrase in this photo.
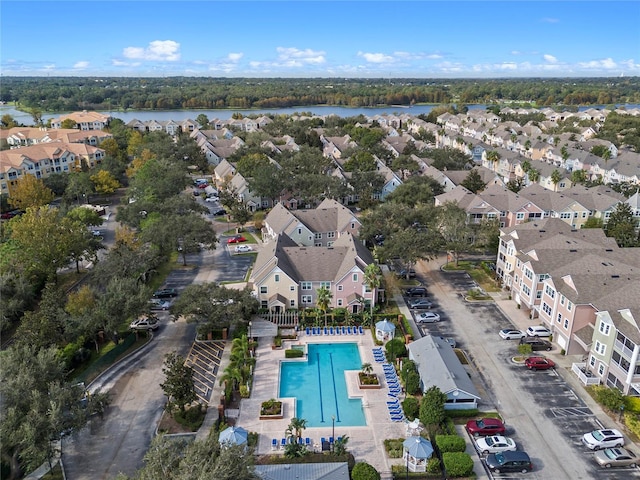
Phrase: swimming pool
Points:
(319, 385)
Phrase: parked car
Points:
(159, 304)
(538, 331)
(427, 317)
(416, 292)
(243, 248)
(599, 439)
(237, 239)
(403, 273)
(96, 233)
(510, 334)
(144, 323)
(536, 343)
(539, 363)
(219, 212)
(616, 457)
(420, 304)
(509, 462)
(211, 199)
(165, 293)
(450, 340)
(495, 444)
(485, 426)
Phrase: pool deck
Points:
(365, 442)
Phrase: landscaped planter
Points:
(368, 381)
(271, 410)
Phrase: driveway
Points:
(542, 413)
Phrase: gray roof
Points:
(306, 471)
(438, 365)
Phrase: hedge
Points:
(457, 464)
(472, 412)
(450, 443)
(293, 353)
(364, 471)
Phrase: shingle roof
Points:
(306, 471)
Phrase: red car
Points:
(485, 427)
(237, 239)
(539, 363)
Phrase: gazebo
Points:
(415, 452)
(234, 436)
(385, 330)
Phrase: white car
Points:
(510, 334)
(495, 444)
(144, 323)
(538, 331)
(159, 304)
(427, 317)
(599, 439)
(211, 199)
(243, 248)
(96, 233)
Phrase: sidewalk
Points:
(564, 362)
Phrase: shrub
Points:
(271, 407)
(293, 353)
(396, 348)
(412, 384)
(632, 404)
(411, 407)
(471, 412)
(450, 443)
(457, 464)
(525, 349)
(433, 465)
(244, 391)
(364, 471)
(393, 447)
(632, 422)
(609, 397)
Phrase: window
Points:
(559, 317)
(562, 299)
(539, 294)
(550, 291)
(264, 304)
(520, 216)
(326, 285)
(604, 328)
(292, 303)
(339, 302)
(600, 348)
(306, 298)
(317, 244)
(355, 277)
(340, 288)
(329, 244)
(528, 273)
(306, 285)
(276, 277)
(292, 288)
(263, 289)
(543, 277)
(331, 235)
(566, 323)
(526, 290)
(592, 361)
(353, 225)
(318, 236)
(569, 305)
(546, 308)
(601, 369)
(299, 231)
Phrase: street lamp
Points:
(333, 433)
(249, 330)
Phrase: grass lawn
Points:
(477, 272)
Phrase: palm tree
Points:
(340, 445)
(494, 157)
(534, 175)
(372, 280)
(555, 179)
(295, 428)
(367, 368)
(323, 301)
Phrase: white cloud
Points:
(234, 57)
(294, 57)
(605, 63)
(158, 50)
(81, 65)
(376, 57)
(550, 58)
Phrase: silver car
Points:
(616, 457)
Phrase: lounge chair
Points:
(349, 330)
(283, 442)
(308, 331)
(397, 418)
(307, 441)
(338, 332)
(330, 330)
(344, 330)
(326, 331)
(300, 441)
(330, 439)
(395, 390)
(274, 444)
(360, 330)
(394, 403)
(377, 349)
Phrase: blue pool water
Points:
(320, 387)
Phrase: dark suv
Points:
(536, 343)
(416, 292)
(166, 293)
(509, 462)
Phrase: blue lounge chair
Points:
(397, 418)
(283, 442)
(344, 330)
(308, 331)
(323, 441)
(377, 349)
(330, 330)
(330, 439)
(300, 441)
(339, 439)
(338, 332)
(394, 390)
(393, 404)
(349, 330)
(326, 331)
(274, 444)
(307, 441)
(360, 330)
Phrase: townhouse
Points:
(26, 136)
(84, 120)
(319, 227)
(170, 127)
(288, 276)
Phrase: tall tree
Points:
(372, 280)
(104, 182)
(178, 386)
(432, 413)
(28, 192)
(453, 226)
(556, 176)
(473, 182)
(323, 300)
(622, 226)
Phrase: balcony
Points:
(586, 377)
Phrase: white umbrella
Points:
(234, 435)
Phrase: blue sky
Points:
(366, 38)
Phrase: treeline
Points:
(57, 94)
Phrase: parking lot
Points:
(542, 413)
(204, 358)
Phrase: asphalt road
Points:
(543, 415)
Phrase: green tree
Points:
(28, 192)
(8, 121)
(178, 386)
(323, 300)
(364, 471)
(415, 191)
(556, 176)
(406, 165)
(578, 176)
(372, 280)
(68, 123)
(340, 445)
(104, 182)
(203, 120)
(86, 216)
(432, 413)
(622, 226)
(593, 222)
(453, 226)
(534, 175)
(473, 182)
(494, 158)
